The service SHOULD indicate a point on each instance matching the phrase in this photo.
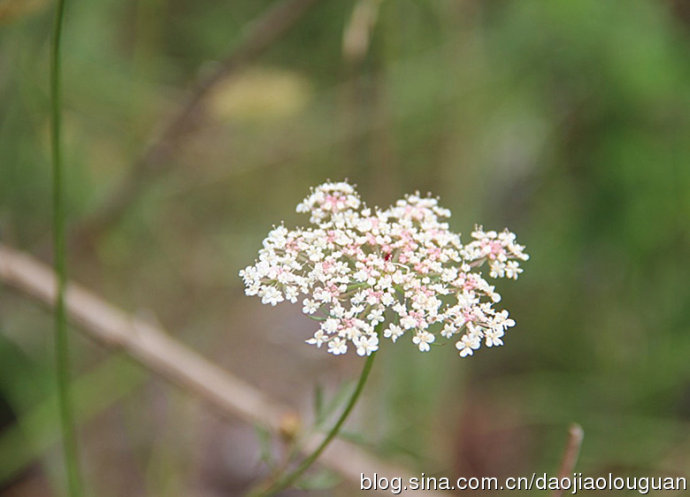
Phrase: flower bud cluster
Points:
(356, 268)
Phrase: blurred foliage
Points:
(567, 121)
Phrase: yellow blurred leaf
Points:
(260, 94)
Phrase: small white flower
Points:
(309, 306)
(449, 329)
(358, 297)
(408, 322)
(385, 282)
(270, 295)
(366, 345)
(350, 333)
(252, 289)
(466, 346)
(400, 309)
(375, 317)
(422, 339)
(337, 346)
(501, 321)
(513, 269)
(318, 339)
(330, 326)
(393, 332)
(492, 338)
(291, 294)
(449, 274)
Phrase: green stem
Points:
(61, 337)
(290, 478)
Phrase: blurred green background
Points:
(566, 121)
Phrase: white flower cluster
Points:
(358, 268)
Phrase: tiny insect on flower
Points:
(358, 267)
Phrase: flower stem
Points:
(69, 443)
(290, 478)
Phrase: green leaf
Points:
(322, 480)
(338, 399)
(318, 403)
(265, 446)
(356, 438)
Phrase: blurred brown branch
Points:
(156, 350)
(258, 37)
(570, 455)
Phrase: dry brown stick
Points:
(152, 347)
(148, 344)
(570, 455)
(260, 35)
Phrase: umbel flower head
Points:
(357, 267)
